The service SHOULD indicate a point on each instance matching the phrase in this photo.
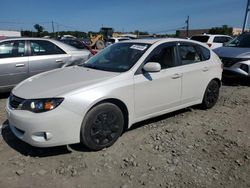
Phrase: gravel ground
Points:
(188, 148)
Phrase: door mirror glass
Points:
(152, 67)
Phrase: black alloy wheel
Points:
(211, 95)
(102, 126)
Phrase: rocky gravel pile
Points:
(188, 148)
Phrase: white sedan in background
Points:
(125, 83)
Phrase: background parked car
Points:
(213, 41)
(78, 44)
(235, 56)
(21, 58)
(113, 40)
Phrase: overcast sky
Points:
(123, 15)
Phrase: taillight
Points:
(209, 44)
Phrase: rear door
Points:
(45, 56)
(13, 63)
(195, 70)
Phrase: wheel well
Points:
(121, 105)
(218, 81)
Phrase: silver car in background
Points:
(21, 58)
(235, 56)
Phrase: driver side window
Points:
(165, 56)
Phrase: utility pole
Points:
(53, 29)
(187, 27)
(246, 16)
(57, 28)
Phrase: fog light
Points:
(41, 136)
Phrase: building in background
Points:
(192, 32)
(238, 31)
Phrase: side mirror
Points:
(152, 67)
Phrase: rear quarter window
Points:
(206, 54)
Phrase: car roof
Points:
(62, 45)
(162, 40)
(210, 35)
(155, 40)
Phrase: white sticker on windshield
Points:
(138, 47)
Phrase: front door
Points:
(158, 91)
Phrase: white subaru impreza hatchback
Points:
(125, 83)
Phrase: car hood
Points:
(233, 52)
(60, 81)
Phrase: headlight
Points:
(40, 105)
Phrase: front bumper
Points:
(53, 128)
(238, 70)
(234, 74)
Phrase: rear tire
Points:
(211, 95)
(102, 126)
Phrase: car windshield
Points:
(119, 57)
(242, 41)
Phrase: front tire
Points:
(211, 95)
(102, 126)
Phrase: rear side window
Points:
(221, 39)
(75, 43)
(41, 47)
(200, 38)
(12, 49)
(189, 54)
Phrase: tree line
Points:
(40, 32)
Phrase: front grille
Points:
(228, 62)
(15, 101)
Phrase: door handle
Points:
(20, 65)
(59, 61)
(175, 76)
(205, 69)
